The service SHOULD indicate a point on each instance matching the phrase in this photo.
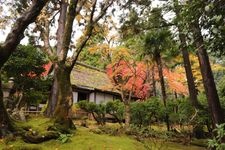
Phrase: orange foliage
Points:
(129, 77)
(176, 81)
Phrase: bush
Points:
(116, 110)
(142, 113)
(146, 132)
(98, 111)
(217, 142)
(180, 111)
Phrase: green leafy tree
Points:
(8, 47)
(157, 41)
(144, 113)
(199, 43)
(98, 51)
(76, 23)
(179, 22)
(26, 66)
(213, 21)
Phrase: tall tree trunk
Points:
(126, 101)
(148, 80)
(5, 122)
(127, 113)
(189, 75)
(53, 96)
(61, 96)
(207, 75)
(153, 81)
(163, 87)
(161, 78)
(187, 65)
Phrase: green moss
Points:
(83, 139)
(38, 123)
(88, 77)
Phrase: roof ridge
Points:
(89, 66)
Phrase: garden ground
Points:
(85, 139)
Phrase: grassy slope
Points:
(85, 140)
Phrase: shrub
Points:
(146, 132)
(142, 113)
(216, 142)
(183, 111)
(98, 111)
(116, 110)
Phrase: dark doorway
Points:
(82, 96)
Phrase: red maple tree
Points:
(129, 78)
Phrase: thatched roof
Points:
(90, 78)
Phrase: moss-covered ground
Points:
(83, 139)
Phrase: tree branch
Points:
(108, 3)
(45, 31)
(69, 28)
(17, 32)
(61, 27)
(90, 27)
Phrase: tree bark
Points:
(207, 75)
(189, 75)
(161, 78)
(127, 113)
(5, 122)
(53, 97)
(61, 96)
(187, 65)
(126, 102)
(163, 87)
(153, 81)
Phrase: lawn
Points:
(83, 139)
